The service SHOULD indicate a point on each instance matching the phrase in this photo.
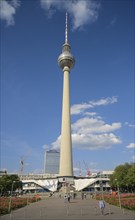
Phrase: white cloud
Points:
(80, 108)
(46, 147)
(48, 4)
(56, 144)
(93, 125)
(131, 145)
(91, 131)
(133, 157)
(8, 10)
(95, 141)
(90, 114)
(129, 125)
(15, 3)
(84, 12)
(81, 11)
(91, 141)
(104, 101)
(92, 134)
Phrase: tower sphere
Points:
(66, 58)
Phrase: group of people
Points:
(83, 195)
(67, 197)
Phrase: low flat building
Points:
(52, 182)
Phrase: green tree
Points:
(6, 182)
(123, 176)
(130, 180)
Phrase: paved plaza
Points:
(56, 208)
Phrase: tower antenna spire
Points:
(66, 30)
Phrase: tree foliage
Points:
(8, 182)
(123, 177)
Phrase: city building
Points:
(3, 172)
(42, 182)
(51, 162)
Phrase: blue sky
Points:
(101, 35)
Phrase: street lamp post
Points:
(9, 207)
(1, 188)
(127, 189)
(101, 188)
(118, 192)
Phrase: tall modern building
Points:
(51, 163)
(66, 62)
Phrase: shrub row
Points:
(15, 203)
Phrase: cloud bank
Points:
(8, 10)
(82, 12)
(90, 131)
(80, 108)
(131, 146)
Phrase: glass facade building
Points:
(52, 159)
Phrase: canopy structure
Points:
(81, 184)
(50, 184)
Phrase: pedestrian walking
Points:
(82, 196)
(102, 206)
(68, 197)
(65, 198)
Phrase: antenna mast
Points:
(66, 30)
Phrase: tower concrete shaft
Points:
(66, 62)
(66, 165)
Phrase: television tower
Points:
(66, 61)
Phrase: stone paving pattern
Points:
(77, 209)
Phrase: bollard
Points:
(109, 210)
(81, 211)
(67, 211)
(95, 211)
(27, 201)
(123, 211)
(25, 213)
(40, 214)
(11, 214)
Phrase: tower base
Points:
(67, 184)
